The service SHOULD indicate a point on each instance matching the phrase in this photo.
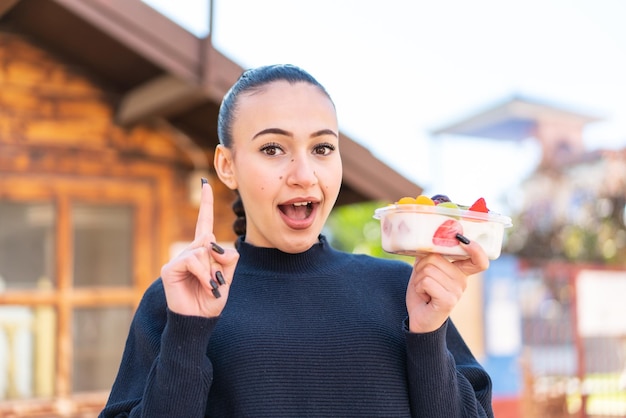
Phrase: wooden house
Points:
(107, 122)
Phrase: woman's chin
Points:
(300, 242)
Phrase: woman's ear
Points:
(224, 166)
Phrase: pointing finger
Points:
(204, 225)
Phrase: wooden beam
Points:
(370, 176)
(6, 6)
(218, 72)
(145, 30)
(163, 96)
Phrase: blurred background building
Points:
(555, 328)
(107, 121)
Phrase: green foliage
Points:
(593, 230)
(353, 229)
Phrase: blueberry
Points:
(440, 198)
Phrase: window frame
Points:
(63, 192)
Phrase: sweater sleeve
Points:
(165, 370)
(445, 380)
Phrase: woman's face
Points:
(285, 163)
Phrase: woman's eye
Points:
(271, 149)
(323, 149)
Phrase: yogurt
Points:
(413, 229)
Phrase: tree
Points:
(352, 228)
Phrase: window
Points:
(26, 244)
(74, 261)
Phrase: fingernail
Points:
(220, 277)
(203, 181)
(214, 289)
(463, 239)
(217, 248)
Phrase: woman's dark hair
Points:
(252, 81)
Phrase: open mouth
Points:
(297, 211)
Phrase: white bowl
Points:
(412, 229)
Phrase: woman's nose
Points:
(302, 172)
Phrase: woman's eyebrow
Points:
(325, 132)
(278, 131)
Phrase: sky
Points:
(398, 70)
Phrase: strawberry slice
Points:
(445, 235)
(479, 206)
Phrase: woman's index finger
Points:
(204, 225)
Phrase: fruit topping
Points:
(448, 205)
(424, 200)
(445, 235)
(406, 201)
(440, 198)
(479, 206)
(419, 200)
(444, 201)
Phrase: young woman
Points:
(285, 325)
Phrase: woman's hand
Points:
(197, 281)
(436, 286)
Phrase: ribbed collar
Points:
(320, 258)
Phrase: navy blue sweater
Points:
(317, 334)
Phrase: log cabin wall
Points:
(90, 209)
(56, 120)
(85, 189)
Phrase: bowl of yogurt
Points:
(420, 228)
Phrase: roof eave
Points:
(184, 77)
